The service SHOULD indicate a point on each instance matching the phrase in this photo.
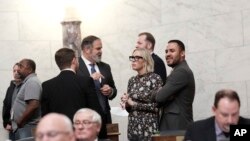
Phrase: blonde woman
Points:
(139, 99)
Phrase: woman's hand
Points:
(124, 99)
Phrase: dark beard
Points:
(171, 65)
(22, 77)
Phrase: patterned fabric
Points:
(143, 117)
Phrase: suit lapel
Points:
(83, 68)
(210, 133)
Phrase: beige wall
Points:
(216, 34)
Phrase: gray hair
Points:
(95, 116)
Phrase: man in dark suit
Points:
(90, 64)
(67, 92)
(146, 40)
(177, 95)
(226, 111)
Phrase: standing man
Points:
(90, 64)
(26, 108)
(177, 95)
(146, 40)
(226, 111)
(67, 92)
(9, 100)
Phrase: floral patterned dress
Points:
(143, 117)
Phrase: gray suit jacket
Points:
(176, 98)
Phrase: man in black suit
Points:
(226, 111)
(67, 92)
(177, 95)
(90, 64)
(146, 40)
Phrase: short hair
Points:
(147, 57)
(64, 57)
(16, 64)
(87, 42)
(95, 116)
(30, 64)
(149, 37)
(228, 93)
(179, 43)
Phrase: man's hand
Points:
(106, 90)
(8, 127)
(96, 76)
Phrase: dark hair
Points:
(16, 64)
(149, 37)
(64, 57)
(88, 41)
(179, 43)
(30, 64)
(228, 93)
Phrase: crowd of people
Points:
(74, 105)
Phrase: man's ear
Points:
(73, 61)
(182, 53)
(149, 46)
(214, 109)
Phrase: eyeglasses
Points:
(50, 134)
(135, 58)
(85, 123)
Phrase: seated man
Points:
(87, 124)
(226, 111)
(54, 127)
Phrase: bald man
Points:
(54, 127)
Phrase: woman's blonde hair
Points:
(149, 62)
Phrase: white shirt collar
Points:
(86, 61)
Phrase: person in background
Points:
(9, 99)
(26, 108)
(226, 110)
(90, 64)
(139, 99)
(177, 95)
(146, 40)
(67, 92)
(54, 127)
(87, 124)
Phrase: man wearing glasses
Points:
(87, 125)
(54, 127)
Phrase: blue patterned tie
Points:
(100, 96)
